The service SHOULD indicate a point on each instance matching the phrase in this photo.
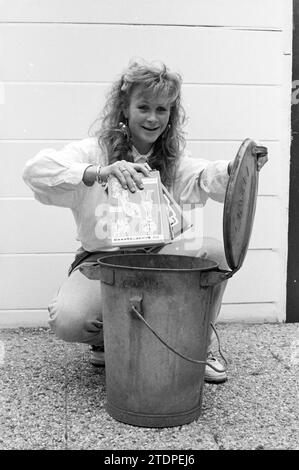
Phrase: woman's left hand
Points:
(261, 156)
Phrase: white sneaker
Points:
(97, 357)
(211, 375)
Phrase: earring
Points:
(124, 129)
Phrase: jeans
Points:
(76, 311)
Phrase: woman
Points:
(140, 129)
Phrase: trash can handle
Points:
(135, 300)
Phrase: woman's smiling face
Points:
(148, 116)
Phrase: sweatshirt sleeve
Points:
(197, 179)
(213, 179)
(55, 176)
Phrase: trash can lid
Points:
(240, 202)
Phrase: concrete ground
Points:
(52, 398)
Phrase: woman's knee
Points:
(74, 326)
(213, 249)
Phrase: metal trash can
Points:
(156, 314)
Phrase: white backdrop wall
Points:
(57, 61)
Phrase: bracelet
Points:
(98, 176)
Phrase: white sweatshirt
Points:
(55, 177)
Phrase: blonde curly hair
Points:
(114, 136)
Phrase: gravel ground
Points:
(52, 398)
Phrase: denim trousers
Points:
(75, 313)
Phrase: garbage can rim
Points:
(212, 264)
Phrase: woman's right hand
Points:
(129, 174)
